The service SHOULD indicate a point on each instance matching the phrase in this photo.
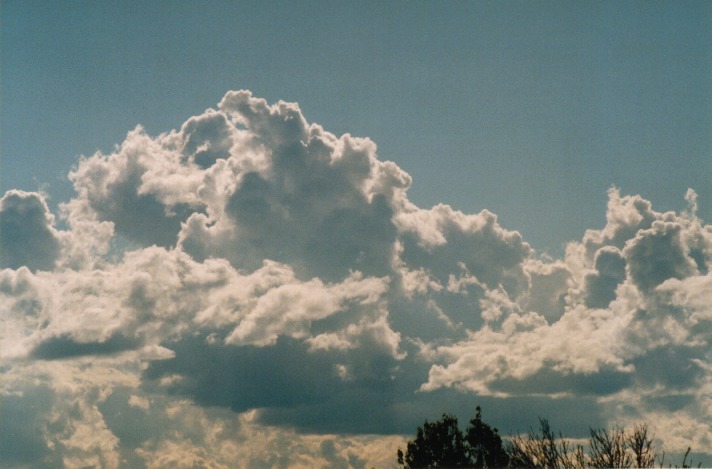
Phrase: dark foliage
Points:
(442, 444)
(485, 447)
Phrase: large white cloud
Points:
(251, 287)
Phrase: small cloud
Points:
(27, 234)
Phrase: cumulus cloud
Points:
(299, 195)
(27, 233)
(251, 287)
(600, 286)
(657, 254)
(629, 322)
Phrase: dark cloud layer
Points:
(61, 347)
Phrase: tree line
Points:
(443, 444)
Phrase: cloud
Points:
(142, 188)
(548, 287)
(600, 286)
(64, 347)
(657, 254)
(321, 390)
(300, 195)
(23, 443)
(27, 233)
(251, 287)
(441, 240)
(631, 322)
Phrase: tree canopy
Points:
(443, 444)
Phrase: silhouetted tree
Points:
(484, 444)
(608, 449)
(437, 444)
(642, 446)
(685, 463)
(616, 448)
(542, 450)
(442, 444)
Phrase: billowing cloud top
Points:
(253, 288)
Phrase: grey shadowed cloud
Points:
(27, 233)
(65, 347)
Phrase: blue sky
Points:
(529, 110)
(286, 233)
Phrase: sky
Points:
(286, 233)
